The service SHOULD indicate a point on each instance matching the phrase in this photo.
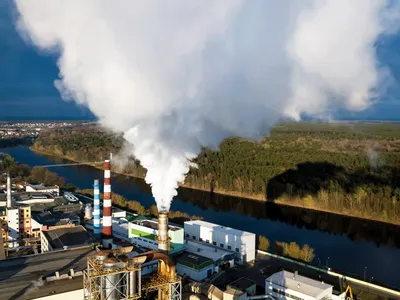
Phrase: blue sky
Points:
(27, 90)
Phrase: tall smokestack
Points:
(162, 237)
(9, 204)
(96, 210)
(107, 209)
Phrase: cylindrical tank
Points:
(88, 212)
(111, 281)
(162, 237)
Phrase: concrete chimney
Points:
(107, 207)
(162, 237)
(96, 210)
(9, 204)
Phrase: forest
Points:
(21, 173)
(345, 168)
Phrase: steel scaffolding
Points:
(101, 283)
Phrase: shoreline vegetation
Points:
(305, 203)
(350, 169)
(134, 206)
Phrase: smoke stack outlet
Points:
(162, 236)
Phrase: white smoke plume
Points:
(176, 75)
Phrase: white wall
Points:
(194, 274)
(44, 243)
(243, 245)
(13, 225)
(269, 291)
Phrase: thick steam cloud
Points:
(176, 75)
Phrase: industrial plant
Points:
(58, 245)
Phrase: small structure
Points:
(288, 285)
(65, 238)
(243, 285)
(42, 189)
(242, 243)
(197, 267)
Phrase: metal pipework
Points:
(162, 237)
(9, 204)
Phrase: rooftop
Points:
(299, 283)
(42, 186)
(57, 218)
(193, 261)
(217, 227)
(214, 253)
(242, 284)
(18, 275)
(68, 236)
(153, 224)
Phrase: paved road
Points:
(20, 276)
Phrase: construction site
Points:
(85, 248)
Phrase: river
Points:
(350, 245)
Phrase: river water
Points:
(357, 247)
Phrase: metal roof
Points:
(295, 282)
(217, 227)
(68, 237)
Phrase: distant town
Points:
(30, 129)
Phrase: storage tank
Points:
(88, 212)
(112, 282)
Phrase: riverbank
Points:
(293, 202)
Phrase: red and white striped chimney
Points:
(107, 207)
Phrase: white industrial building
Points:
(200, 260)
(242, 243)
(288, 285)
(13, 227)
(144, 232)
(42, 189)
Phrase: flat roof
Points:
(68, 236)
(18, 275)
(189, 259)
(242, 284)
(217, 227)
(42, 186)
(153, 224)
(296, 282)
(207, 250)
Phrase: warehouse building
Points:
(40, 188)
(144, 232)
(288, 285)
(242, 243)
(65, 238)
(195, 266)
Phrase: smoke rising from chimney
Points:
(184, 74)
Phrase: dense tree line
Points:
(20, 173)
(120, 201)
(346, 168)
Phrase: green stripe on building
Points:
(143, 234)
(194, 266)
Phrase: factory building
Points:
(242, 243)
(4, 224)
(197, 267)
(13, 227)
(40, 188)
(144, 233)
(65, 237)
(288, 285)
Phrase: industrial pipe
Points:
(162, 237)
